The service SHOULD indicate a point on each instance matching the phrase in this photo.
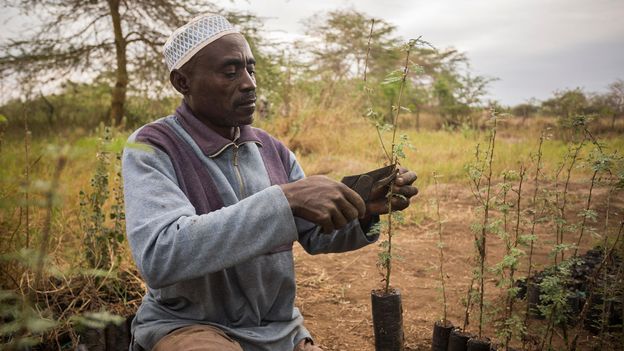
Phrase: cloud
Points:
(519, 25)
(533, 46)
(591, 66)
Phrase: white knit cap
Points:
(187, 40)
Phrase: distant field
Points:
(335, 146)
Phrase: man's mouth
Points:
(248, 103)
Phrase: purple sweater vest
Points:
(193, 178)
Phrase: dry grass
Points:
(342, 143)
(335, 142)
(332, 139)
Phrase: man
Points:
(213, 207)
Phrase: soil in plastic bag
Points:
(387, 320)
(458, 340)
(441, 332)
(478, 344)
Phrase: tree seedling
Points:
(387, 310)
(510, 323)
(480, 174)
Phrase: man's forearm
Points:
(171, 243)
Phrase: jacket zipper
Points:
(241, 184)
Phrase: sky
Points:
(533, 47)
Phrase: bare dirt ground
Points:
(334, 290)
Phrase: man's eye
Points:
(230, 74)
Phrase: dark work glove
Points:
(373, 187)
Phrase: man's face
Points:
(222, 83)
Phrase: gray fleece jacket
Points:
(211, 232)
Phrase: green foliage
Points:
(22, 325)
(80, 107)
(439, 81)
(341, 45)
(559, 248)
(398, 217)
(479, 172)
(374, 230)
(510, 327)
(394, 78)
(601, 162)
(102, 240)
(566, 104)
(525, 110)
(23, 322)
(457, 95)
(384, 257)
(451, 110)
(554, 294)
(28, 258)
(397, 79)
(95, 320)
(440, 246)
(76, 104)
(400, 147)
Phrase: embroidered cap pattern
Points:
(187, 40)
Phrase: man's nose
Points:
(248, 82)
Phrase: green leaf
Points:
(383, 127)
(374, 230)
(589, 214)
(26, 257)
(97, 273)
(393, 77)
(97, 320)
(38, 325)
(7, 329)
(7, 295)
(384, 244)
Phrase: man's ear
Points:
(180, 81)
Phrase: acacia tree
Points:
(616, 99)
(566, 104)
(449, 107)
(82, 35)
(454, 89)
(338, 44)
(526, 109)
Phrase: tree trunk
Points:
(418, 119)
(119, 90)
(50, 111)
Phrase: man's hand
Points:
(306, 345)
(378, 201)
(324, 202)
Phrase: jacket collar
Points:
(209, 141)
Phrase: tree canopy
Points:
(119, 43)
(340, 43)
(89, 37)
